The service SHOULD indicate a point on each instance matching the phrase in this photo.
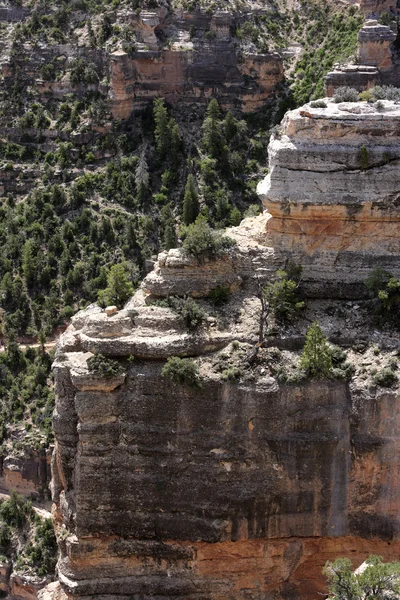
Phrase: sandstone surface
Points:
(231, 491)
(331, 211)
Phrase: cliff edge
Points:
(243, 485)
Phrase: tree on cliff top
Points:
(316, 359)
(374, 580)
(119, 288)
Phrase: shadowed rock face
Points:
(333, 193)
(230, 491)
(193, 75)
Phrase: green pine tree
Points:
(119, 287)
(230, 126)
(212, 139)
(190, 201)
(176, 142)
(170, 239)
(162, 131)
(316, 358)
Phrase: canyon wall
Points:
(332, 193)
(231, 489)
(227, 491)
(204, 62)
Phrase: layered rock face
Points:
(226, 491)
(333, 193)
(194, 69)
(376, 62)
(28, 474)
(236, 491)
(374, 45)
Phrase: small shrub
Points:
(385, 377)
(386, 292)
(102, 366)
(220, 294)
(182, 371)
(192, 313)
(231, 374)
(346, 94)
(202, 242)
(386, 92)
(316, 359)
(283, 297)
(318, 104)
(90, 157)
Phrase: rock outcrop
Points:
(228, 490)
(376, 61)
(27, 473)
(243, 486)
(333, 193)
(193, 70)
(374, 41)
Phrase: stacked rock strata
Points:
(333, 193)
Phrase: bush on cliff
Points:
(103, 366)
(119, 288)
(378, 581)
(346, 94)
(192, 313)
(386, 296)
(200, 241)
(283, 295)
(182, 371)
(316, 359)
(385, 377)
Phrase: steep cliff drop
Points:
(243, 487)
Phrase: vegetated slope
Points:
(27, 540)
(83, 191)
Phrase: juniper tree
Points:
(190, 201)
(119, 287)
(316, 358)
(375, 581)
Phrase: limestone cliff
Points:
(242, 487)
(203, 64)
(332, 193)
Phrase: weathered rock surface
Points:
(238, 491)
(192, 75)
(27, 473)
(230, 491)
(332, 210)
(374, 42)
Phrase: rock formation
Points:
(376, 61)
(238, 490)
(227, 491)
(194, 69)
(332, 193)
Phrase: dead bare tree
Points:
(264, 313)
